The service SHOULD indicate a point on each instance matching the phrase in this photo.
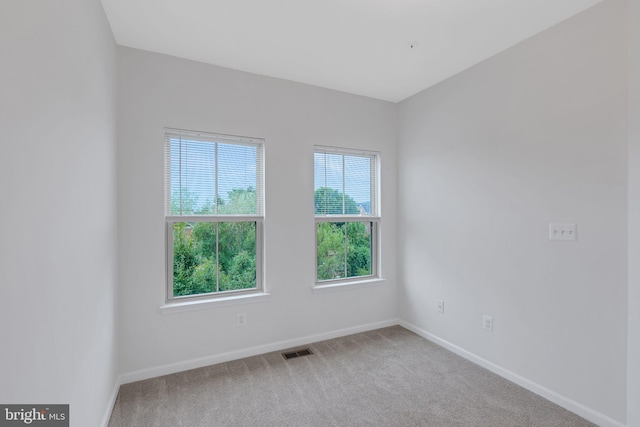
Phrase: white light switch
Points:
(559, 231)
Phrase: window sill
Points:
(202, 304)
(345, 286)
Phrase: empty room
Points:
(305, 213)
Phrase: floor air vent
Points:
(298, 353)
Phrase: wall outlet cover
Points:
(487, 323)
(242, 319)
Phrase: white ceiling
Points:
(355, 46)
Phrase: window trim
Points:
(182, 303)
(375, 277)
(196, 304)
(337, 287)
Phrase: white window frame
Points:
(170, 219)
(374, 218)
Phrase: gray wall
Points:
(57, 250)
(159, 91)
(633, 374)
(536, 134)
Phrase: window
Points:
(346, 214)
(213, 214)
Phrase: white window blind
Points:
(209, 174)
(345, 182)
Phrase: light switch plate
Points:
(562, 231)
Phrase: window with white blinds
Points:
(214, 208)
(205, 174)
(347, 181)
(346, 213)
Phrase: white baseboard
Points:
(172, 368)
(571, 405)
(111, 403)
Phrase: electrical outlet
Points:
(487, 323)
(242, 319)
(440, 306)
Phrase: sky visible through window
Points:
(203, 170)
(330, 169)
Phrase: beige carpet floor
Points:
(386, 377)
